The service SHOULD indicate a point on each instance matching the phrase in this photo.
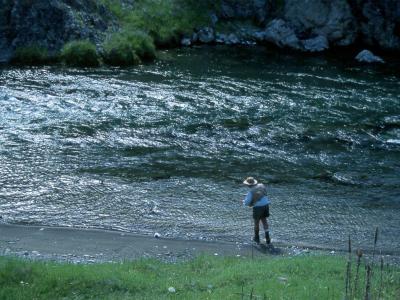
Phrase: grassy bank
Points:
(144, 26)
(151, 24)
(165, 21)
(307, 277)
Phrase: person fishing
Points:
(258, 200)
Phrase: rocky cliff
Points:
(50, 23)
(307, 25)
(316, 25)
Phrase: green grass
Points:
(81, 53)
(165, 21)
(149, 24)
(31, 55)
(128, 48)
(307, 277)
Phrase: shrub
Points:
(164, 20)
(128, 48)
(80, 54)
(31, 55)
(119, 52)
(142, 43)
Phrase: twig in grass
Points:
(359, 256)
(368, 284)
(381, 283)
(375, 241)
(348, 272)
(249, 295)
(350, 263)
(373, 253)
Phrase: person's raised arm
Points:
(247, 199)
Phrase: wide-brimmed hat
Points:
(250, 181)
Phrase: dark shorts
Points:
(260, 212)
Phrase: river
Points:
(164, 147)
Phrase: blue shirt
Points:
(262, 202)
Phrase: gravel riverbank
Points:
(76, 245)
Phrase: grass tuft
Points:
(31, 55)
(128, 48)
(166, 21)
(81, 53)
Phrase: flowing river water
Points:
(164, 147)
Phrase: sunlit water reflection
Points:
(164, 147)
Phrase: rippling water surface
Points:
(164, 147)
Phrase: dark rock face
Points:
(316, 25)
(331, 19)
(281, 34)
(317, 44)
(379, 23)
(245, 9)
(49, 24)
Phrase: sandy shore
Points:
(90, 245)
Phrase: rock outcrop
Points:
(256, 10)
(379, 22)
(330, 19)
(281, 34)
(49, 24)
(317, 25)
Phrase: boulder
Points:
(332, 19)
(194, 38)
(220, 38)
(206, 35)
(281, 34)
(228, 39)
(232, 39)
(316, 44)
(368, 57)
(186, 42)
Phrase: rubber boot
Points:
(267, 238)
(256, 237)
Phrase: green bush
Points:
(119, 52)
(164, 20)
(128, 48)
(143, 44)
(80, 54)
(31, 55)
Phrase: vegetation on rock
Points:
(165, 21)
(31, 55)
(128, 48)
(80, 53)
